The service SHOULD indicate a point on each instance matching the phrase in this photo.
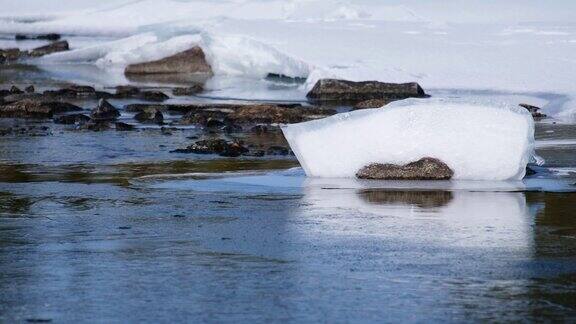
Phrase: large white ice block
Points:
(479, 142)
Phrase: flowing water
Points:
(111, 227)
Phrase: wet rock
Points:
(277, 150)
(104, 111)
(55, 47)
(96, 125)
(349, 92)
(77, 92)
(136, 108)
(150, 116)
(372, 103)
(424, 169)
(274, 114)
(284, 78)
(153, 95)
(35, 109)
(126, 91)
(72, 119)
(10, 54)
(530, 171)
(29, 89)
(23, 96)
(214, 123)
(15, 90)
(123, 126)
(189, 61)
(188, 91)
(215, 146)
(259, 129)
(50, 37)
(533, 110)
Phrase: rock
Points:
(533, 110)
(166, 131)
(530, 171)
(215, 146)
(15, 90)
(189, 61)
(104, 111)
(277, 150)
(188, 91)
(372, 103)
(96, 125)
(214, 123)
(231, 129)
(26, 109)
(153, 95)
(349, 92)
(72, 119)
(259, 129)
(284, 78)
(55, 47)
(124, 127)
(126, 91)
(144, 107)
(10, 54)
(35, 109)
(24, 96)
(29, 89)
(50, 37)
(77, 92)
(274, 114)
(150, 116)
(424, 169)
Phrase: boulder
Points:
(424, 169)
(348, 92)
(533, 110)
(104, 111)
(55, 47)
(150, 116)
(372, 103)
(192, 61)
(188, 91)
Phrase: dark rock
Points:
(424, 169)
(214, 123)
(104, 111)
(188, 91)
(62, 107)
(232, 129)
(10, 54)
(96, 125)
(372, 103)
(126, 91)
(72, 119)
(530, 171)
(77, 92)
(533, 110)
(153, 95)
(166, 131)
(145, 107)
(189, 61)
(284, 78)
(277, 150)
(15, 90)
(29, 89)
(55, 47)
(23, 96)
(215, 146)
(259, 129)
(26, 109)
(150, 116)
(343, 92)
(124, 127)
(50, 37)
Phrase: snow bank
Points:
(478, 142)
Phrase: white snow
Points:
(515, 46)
(477, 141)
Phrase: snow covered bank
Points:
(478, 142)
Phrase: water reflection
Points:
(422, 199)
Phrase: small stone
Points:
(104, 111)
(150, 116)
(15, 90)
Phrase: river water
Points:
(111, 227)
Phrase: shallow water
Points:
(111, 227)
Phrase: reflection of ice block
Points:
(479, 142)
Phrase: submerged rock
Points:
(424, 169)
(350, 92)
(188, 91)
(55, 47)
(104, 111)
(533, 110)
(372, 103)
(35, 109)
(189, 61)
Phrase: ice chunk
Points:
(477, 141)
